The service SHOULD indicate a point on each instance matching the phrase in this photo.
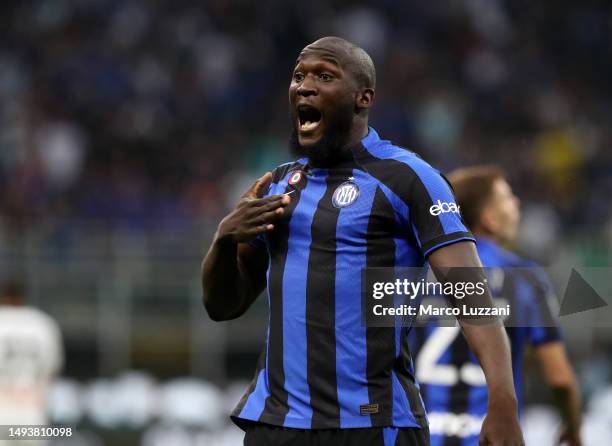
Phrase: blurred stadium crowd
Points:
(139, 113)
(149, 117)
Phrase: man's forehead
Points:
(328, 53)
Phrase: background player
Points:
(31, 354)
(454, 391)
(352, 201)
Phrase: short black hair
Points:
(355, 59)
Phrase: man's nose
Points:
(307, 87)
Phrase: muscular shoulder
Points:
(402, 170)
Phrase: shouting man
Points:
(306, 231)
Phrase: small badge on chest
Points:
(296, 177)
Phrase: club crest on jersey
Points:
(295, 178)
(345, 194)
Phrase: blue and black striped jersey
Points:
(452, 383)
(380, 206)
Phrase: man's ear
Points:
(365, 98)
(488, 221)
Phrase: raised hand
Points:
(253, 216)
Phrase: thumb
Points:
(258, 186)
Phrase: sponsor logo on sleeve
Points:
(442, 207)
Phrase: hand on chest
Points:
(338, 209)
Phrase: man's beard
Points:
(328, 149)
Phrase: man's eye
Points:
(325, 77)
(298, 77)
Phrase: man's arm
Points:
(233, 275)
(233, 272)
(559, 375)
(489, 343)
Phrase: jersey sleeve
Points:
(434, 213)
(543, 325)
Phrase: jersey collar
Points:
(371, 138)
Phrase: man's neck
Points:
(359, 131)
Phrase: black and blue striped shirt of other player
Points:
(453, 385)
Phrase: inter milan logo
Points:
(345, 194)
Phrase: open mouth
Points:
(309, 117)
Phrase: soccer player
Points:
(306, 230)
(31, 354)
(452, 384)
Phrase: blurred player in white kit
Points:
(31, 354)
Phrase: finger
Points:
(265, 204)
(262, 229)
(268, 217)
(259, 185)
(278, 201)
(263, 183)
